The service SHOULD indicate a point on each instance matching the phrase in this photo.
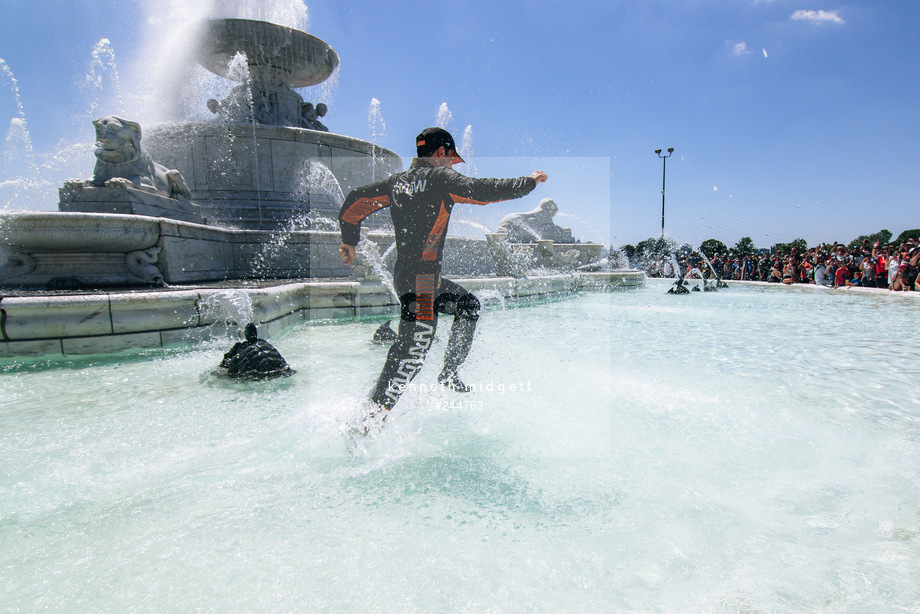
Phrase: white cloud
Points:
(817, 17)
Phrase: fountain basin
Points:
(629, 469)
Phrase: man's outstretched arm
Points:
(484, 191)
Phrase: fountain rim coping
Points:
(79, 324)
(36, 223)
(331, 139)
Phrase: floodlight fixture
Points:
(664, 167)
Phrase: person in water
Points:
(420, 201)
(254, 358)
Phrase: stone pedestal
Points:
(125, 199)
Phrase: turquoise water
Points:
(753, 449)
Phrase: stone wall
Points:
(93, 249)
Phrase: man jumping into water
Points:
(420, 201)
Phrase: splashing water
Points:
(170, 83)
(533, 232)
(375, 122)
(101, 85)
(238, 106)
(378, 131)
(18, 158)
(485, 229)
(290, 13)
(314, 184)
(443, 116)
(676, 267)
(618, 259)
(31, 182)
(371, 253)
(229, 312)
(273, 248)
(315, 179)
(388, 251)
(324, 91)
(466, 151)
(238, 70)
(15, 163)
(597, 235)
(490, 296)
(466, 147)
(709, 264)
(515, 259)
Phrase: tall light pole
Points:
(664, 168)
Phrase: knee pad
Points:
(468, 307)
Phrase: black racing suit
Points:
(420, 201)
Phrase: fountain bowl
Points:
(296, 58)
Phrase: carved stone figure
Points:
(141, 264)
(535, 225)
(309, 117)
(121, 158)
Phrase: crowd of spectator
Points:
(874, 266)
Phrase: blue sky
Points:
(789, 118)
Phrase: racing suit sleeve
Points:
(465, 189)
(359, 204)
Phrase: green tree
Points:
(744, 246)
(711, 247)
(654, 248)
(628, 250)
(907, 234)
(800, 245)
(882, 236)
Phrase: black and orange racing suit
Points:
(420, 200)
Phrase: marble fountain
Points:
(179, 213)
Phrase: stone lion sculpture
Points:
(120, 157)
(535, 225)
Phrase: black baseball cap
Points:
(430, 139)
